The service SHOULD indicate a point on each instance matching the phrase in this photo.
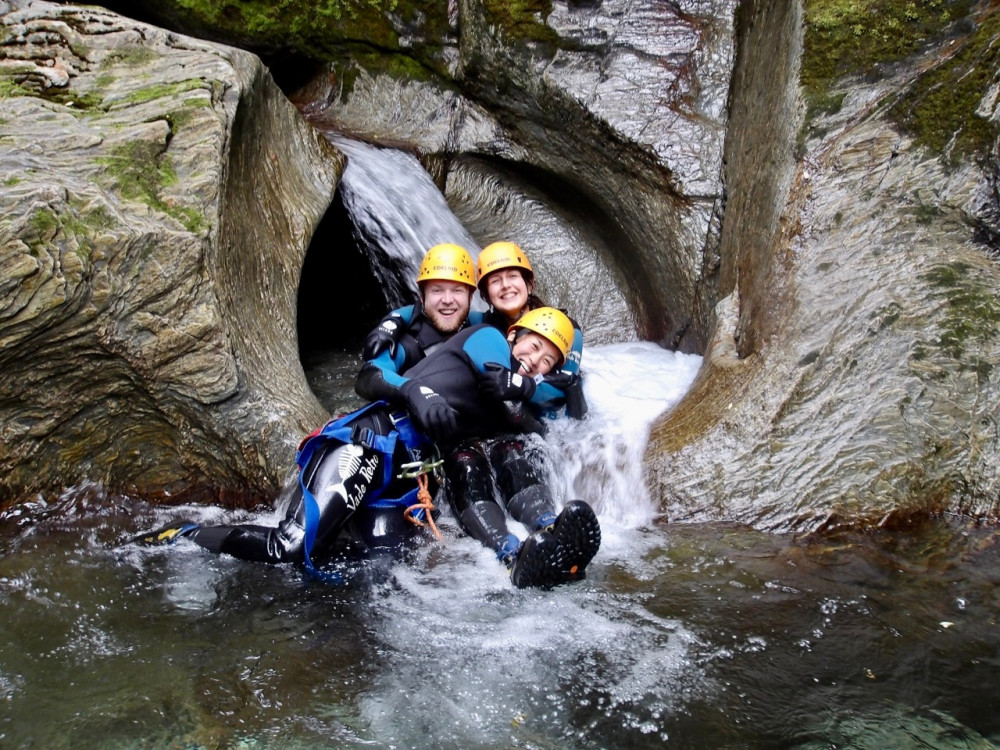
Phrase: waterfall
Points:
(397, 212)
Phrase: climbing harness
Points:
(343, 430)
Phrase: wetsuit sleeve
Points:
(387, 333)
(405, 314)
(487, 346)
(575, 355)
(379, 379)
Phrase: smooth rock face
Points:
(158, 194)
(623, 122)
(852, 376)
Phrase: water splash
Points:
(600, 459)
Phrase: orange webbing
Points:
(424, 496)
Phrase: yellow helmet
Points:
(447, 262)
(499, 255)
(550, 323)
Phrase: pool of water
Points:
(696, 636)
(708, 636)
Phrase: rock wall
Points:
(851, 377)
(614, 114)
(158, 194)
(830, 247)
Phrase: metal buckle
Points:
(430, 465)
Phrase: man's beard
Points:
(449, 324)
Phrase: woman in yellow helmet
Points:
(487, 474)
(472, 395)
(482, 465)
(507, 285)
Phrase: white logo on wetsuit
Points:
(365, 473)
(349, 460)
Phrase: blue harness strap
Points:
(344, 431)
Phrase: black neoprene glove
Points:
(432, 413)
(523, 419)
(561, 380)
(571, 384)
(386, 336)
(502, 384)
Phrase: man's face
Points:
(537, 355)
(446, 304)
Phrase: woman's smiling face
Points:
(507, 291)
(537, 355)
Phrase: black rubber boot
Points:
(578, 533)
(539, 563)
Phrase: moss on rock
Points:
(852, 37)
(972, 316)
(141, 170)
(522, 19)
(941, 109)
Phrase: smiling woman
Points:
(541, 340)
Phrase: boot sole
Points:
(578, 532)
(540, 564)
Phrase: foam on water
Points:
(468, 657)
(600, 459)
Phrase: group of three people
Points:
(447, 381)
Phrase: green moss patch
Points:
(163, 90)
(141, 171)
(972, 318)
(81, 223)
(939, 109)
(851, 37)
(302, 26)
(133, 56)
(522, 19)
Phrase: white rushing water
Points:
(496, 653)
(467, 655)
(464, 656)
(714, 637)
(398, 213)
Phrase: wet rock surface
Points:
(158, 196)
(839, 275)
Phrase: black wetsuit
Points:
(487, 451)
(341, 477)
(381, 377)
